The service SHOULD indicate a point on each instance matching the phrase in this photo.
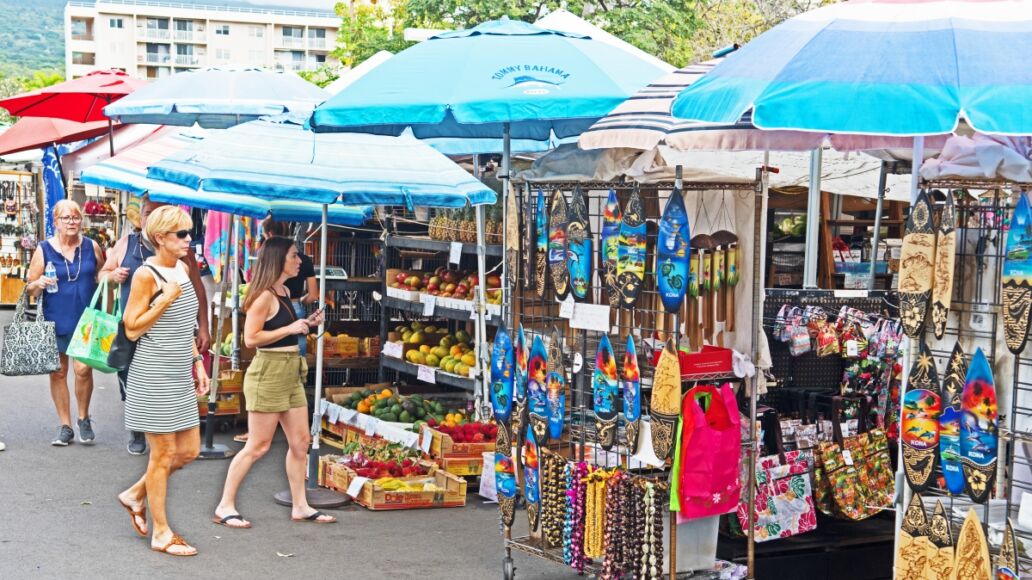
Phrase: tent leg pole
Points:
(318, 497)
(915, 167)
(813, 212)
(210, 450)
(882, 177)
(506, 167)
(235, 248)
(481, 398)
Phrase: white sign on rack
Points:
(324, 405)
(566, 308)
(371, 425)
(590, 317)
(455, 253)
(429, 303)
(393, 349)
(334, 413)
(428, 439)
(355, 487)
(427, 374)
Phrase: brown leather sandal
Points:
(176, 540)
(136, 514)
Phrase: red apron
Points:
(711, 449)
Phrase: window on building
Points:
(319, 58)
(116, 23)
(256, 31)
(157, 23)
(78, 27)
(297, 56)
(184, 49)
(87, 58)
(316, 33)
(223, 54)
(222, 30)
(184, 25)
(293, 32)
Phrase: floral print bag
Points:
(784, 497)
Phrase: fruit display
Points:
(446, 283)
(391, 461)
(388, 406)
(468, 432)
(432, 347)
(460, 225)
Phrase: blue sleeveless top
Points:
(135, 253)
(66, 306)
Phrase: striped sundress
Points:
(159, 394)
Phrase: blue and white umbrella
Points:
(217, 98)
(879, 68)
(280, 159)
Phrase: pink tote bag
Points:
(711, 449)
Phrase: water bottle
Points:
(51, 272)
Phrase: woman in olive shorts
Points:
(274, 383)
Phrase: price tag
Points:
(590, 317)
(473, 372)
(427, 374)
(393, 349)
(324, 405)
(852, 349)
(566, 308)
(428, 439)
(355, 487)
(473, 313)
(847, 457)
(417, 264)
(334, 412)
(851, 293)
(429, 303)
(455, 253)
(371, 425)
(348, 415)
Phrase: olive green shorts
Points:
(275, 382)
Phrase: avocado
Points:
(389, 417)
(405, 417)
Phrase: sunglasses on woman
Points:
(181, 234)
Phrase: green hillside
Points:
(31, 36)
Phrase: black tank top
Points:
(284, 317)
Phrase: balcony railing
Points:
(188, 60)
(291, 65)
(155, 33)
(152, 58)
(318, 43)
(82, 36)
(190, 36)
(292, 42)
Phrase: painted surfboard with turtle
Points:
(605, 391)
(949, 421)
(630, 270)
(579, 255)
(609, 248)
(502, 375)
(672, 253)
(558, 221)
(1017, 277)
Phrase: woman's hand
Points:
(316, 318)
(42, 283)
(203, 383)
(170, 291)
(299, 327)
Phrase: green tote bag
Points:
(95, 332)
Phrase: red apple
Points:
(401, 277)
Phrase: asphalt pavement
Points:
(59, 517)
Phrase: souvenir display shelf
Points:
(539, 316)
(20, 187)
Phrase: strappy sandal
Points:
(136, 514)
(176, 540)
(225, 521)
(314, 518)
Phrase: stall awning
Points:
(128, 171)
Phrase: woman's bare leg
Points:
(261, 427)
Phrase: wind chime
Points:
(725, 269)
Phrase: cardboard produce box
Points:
(443, 446)
(451, 492)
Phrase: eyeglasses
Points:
(70, 219)
(181, 234)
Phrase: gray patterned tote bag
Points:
(30, 348)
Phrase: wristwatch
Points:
(198, 359)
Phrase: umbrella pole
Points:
(506, 165)
(235, 302)
(882, 177)
(318, 497)
(481, 398)
(915, 167)
(210, 450)
(813, 212)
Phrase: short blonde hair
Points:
(68, 205)
(165, 219)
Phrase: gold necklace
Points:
(595, 514)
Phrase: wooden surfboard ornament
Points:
(922, 406)
(512, 239)
(949, 421)
(579, 255)
(540, 245)
(519, 390)
(609, 248)
(537, 396)
(672, 253)
(532, 481)
(558, 220)
(1007, 559)
(945, 255)
(1017, 277)
(605, 390)
(631, 383)
(971, 561)
(941, 535)
(917, 260)
(502, 376)
(631, 262)
(666, 401)
(914, 546)
(978, 429)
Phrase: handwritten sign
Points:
(393, 349)
(455, 253)
(429, 303)
(427, 374)
(590, 317)
(428, 439)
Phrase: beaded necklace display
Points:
(552, 503)
(612, 564)
(595, 513)
(578, 491)
(568, 519)
(635, 528)
(652, 539)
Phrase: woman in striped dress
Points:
(161, 390)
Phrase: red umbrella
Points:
(82, 99)
(36, 132)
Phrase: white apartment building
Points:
(154, 38)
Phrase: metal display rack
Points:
(647, 322)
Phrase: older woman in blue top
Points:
(76, 260)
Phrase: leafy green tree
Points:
(42, 79)
(367, 29)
